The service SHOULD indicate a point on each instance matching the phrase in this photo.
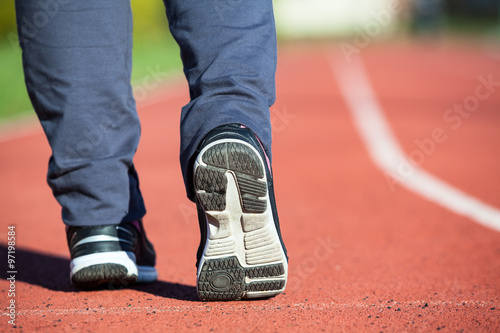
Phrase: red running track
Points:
(363, 256)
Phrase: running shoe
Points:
(110, 256)
(241, 253)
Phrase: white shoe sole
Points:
(243, 256)
(113, 268)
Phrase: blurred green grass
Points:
(154, 49)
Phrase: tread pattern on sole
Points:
(225, 279)
(101, 276)
(211, 183)
(258, 270)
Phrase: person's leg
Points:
(229, 53)
(228, 50)
(77, 66)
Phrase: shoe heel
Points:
(225, 279)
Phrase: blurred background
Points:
(333, 20)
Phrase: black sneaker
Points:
(241, 254)
(110, 256)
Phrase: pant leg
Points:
(77, 66)
(228, 48)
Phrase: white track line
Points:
(278, 307)
(387, 154)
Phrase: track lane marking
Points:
(322, 306)
(385, 151)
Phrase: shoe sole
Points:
(243, 257)
(109, 270)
